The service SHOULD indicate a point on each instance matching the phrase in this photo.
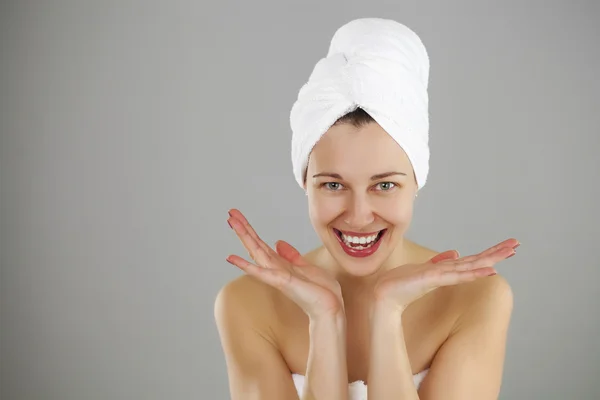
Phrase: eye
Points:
(333, 186)
(386, 186)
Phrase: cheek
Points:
(403, 215)
(324, 210)
(396, 211)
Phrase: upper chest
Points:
(426, 324)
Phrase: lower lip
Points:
(360, 253)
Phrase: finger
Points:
(450, 278)
(256, 252)
(446, 255)
(237, 214)
(279, 278)
(484, 261)
(508, 243)
(289, 253)
(234, 212)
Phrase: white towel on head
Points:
(380, 66)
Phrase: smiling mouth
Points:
(359, 242)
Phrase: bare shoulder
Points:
(418, 252)
(246, 298)
(245, 284)
(483, 304)
(256, 367)
(491, 294)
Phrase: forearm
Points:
(390, 373)
(327, 372)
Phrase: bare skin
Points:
(451, 316)
(422, 321)
(427, 322)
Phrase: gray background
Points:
(129, 129)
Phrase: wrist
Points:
(387, 305)
(337, 320)
(387, 310)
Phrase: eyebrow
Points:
(373, 178)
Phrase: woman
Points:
(369, 312)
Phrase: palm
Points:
(311, 287)
(407, 283)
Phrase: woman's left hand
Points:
(403, 285)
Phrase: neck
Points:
(356, 284)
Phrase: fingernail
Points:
(493, 273)
(512, 254)
(229, 223)
(517, 245)
(229, 212)
(227, 259)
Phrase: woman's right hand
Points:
(312, 288)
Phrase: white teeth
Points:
(364, 241)
(357, 240)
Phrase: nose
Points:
(359, 213)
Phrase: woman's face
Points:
(361, 187)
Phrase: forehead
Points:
(346, 149)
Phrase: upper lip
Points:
(358, 234)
